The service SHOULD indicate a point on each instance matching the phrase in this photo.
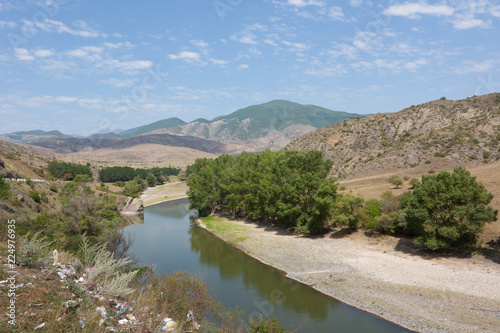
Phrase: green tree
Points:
(449, 210)
(414, 182)
(349, 211)
(396, 181)
(151, 180)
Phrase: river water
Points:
(170, 240)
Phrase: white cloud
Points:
(199, 43)
(355, 3)
(186, 56)
(335, 13)
(23, 54)
(295, 47)
(469, 22)
(413, 65)
(119, 83)
(414, 10)
(8, 24)
(303, 3)
(243, 66)
(43, 53)
(126, 66)
(477, 67)
(218, 62)
(49, 25)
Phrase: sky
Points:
(84, 67)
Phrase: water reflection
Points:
(266, 280)
(168, 239)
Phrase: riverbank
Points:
(162, 193)
(381, 275)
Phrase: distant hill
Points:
(31, 136)
(165, 123)
(463, 132)
(269, 125)
(71, 145)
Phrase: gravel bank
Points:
(421, 294)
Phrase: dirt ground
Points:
(385, 276)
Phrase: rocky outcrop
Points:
(134, 206)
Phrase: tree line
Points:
(125, 173)
(444, 211)
(67, 170)
(289, 187)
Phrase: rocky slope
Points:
(463, 132)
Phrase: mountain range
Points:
(257, 127)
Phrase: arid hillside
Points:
(442, 133)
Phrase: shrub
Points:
(33, 252)
(449, 210)
(53, 188)
(35, 196)
(486, 155)
(105, 270)
(4, 188)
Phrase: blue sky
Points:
(83, 67)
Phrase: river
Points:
(169, 239)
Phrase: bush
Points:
(4, 188)
(266, 326)
(33, 252)
(105, 270)
(35, 196)
(53, 188)
(449, 210)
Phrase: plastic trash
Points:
(169, 325)
(122, 321)
(19, 286)
(40, 326)
(130, 317)
(102, 311)
(55, 254)
(61, 275)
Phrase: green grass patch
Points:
(231, 232)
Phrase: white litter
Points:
(40, 326)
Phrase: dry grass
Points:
(371, 186)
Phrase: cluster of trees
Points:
(120, 173)
(68, 171)
(288, 187)
(444, 211)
